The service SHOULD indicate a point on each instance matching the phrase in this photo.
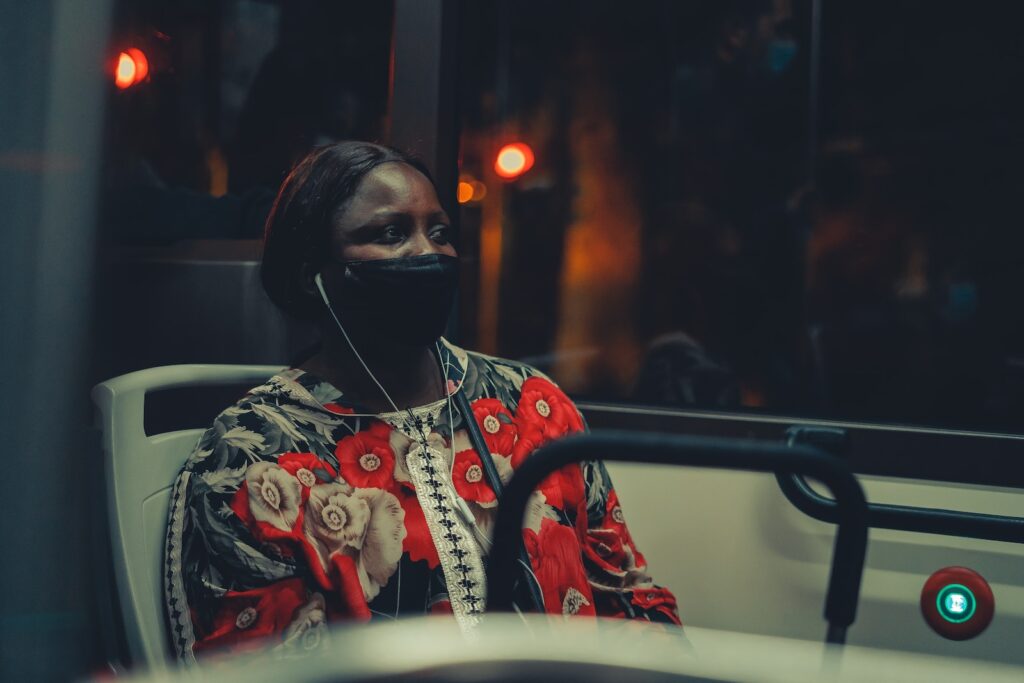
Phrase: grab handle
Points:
(672, 449)
(884, 516)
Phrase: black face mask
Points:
(404, 301)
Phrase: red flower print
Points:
(366, 459)
(606, 550)
(496, 424)
(350, 590)
(564, 489)
(613, 516)
(615, 521)
(656, 599)
(555, 555)
(443, 607)
(308, 469)
(528, 440)
(418, 543)
(338, 409)
(544, 406)
(245, 617)
(380, 429)
(468, 477)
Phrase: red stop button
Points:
(957, 603)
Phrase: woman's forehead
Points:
(392, 187)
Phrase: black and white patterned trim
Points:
(416, 422)
(460, 556)
(182, 635)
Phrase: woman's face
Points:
(394, 213)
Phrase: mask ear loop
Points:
(327, 302)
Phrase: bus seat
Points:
(139, 470)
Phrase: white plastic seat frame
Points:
(139, 473)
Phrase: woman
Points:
(349, 487)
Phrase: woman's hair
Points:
(298, 228)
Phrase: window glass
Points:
(722, 213)
(212, 102)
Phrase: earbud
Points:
(318, 281)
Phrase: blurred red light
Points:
(514, 160)
(464, 192)
(132, 67)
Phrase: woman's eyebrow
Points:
(386, 214)
(401, 216)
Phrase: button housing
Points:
(957, 603)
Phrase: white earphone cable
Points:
(323, 295)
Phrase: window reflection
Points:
(682, 240)
(237, 91)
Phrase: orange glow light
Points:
(513, 160)
(464, 193)
(479, 190)
(132, 67)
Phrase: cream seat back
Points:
(139, 472)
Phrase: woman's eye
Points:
(441, 233)
(390, 234)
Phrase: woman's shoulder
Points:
(279, 416)
(506, 380)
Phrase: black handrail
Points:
(904, 517)
(672, 449)
(884, 516)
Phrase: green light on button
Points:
(956, 603)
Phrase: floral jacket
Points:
(296, 509)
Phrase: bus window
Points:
(209, 105)
(234, 92)
(745, 206)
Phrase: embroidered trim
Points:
(461, 559)
(183, 634)
(416, 422)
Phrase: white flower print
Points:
(382, 546)
(368, 526)
(461, 442)
(536, 510)
(492, 425)
(274, 495)
(400, 445)
(484, 517)
(307, 627)
(504, 466)
(369, 462)
(305, 477)
(334, 520)
(246, 618)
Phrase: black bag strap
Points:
(476, 438)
